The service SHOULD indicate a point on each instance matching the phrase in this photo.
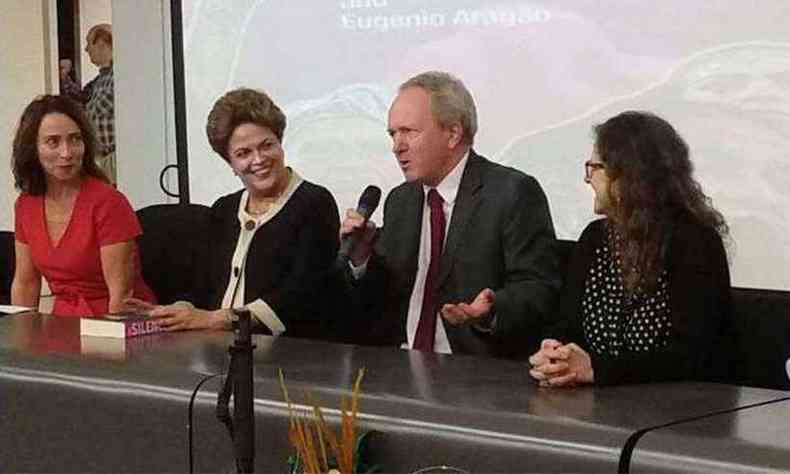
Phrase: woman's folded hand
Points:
(561, 365)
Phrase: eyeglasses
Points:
(590, 167)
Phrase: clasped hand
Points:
(561, 365)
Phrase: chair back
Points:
(7, 265)
(173, 249)
(564, 250)
(761, 321)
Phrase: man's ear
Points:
(455, 133)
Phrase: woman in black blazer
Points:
(271, 243)
(647, 293)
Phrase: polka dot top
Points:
(615, 322)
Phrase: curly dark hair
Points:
(29, 176)
(238, 107)
(652, 185)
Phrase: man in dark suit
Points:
(465, 260)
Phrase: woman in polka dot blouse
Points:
(647, 291)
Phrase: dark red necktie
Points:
(426, 329)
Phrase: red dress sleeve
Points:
(21, 214)
(115, 220)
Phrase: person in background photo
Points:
(71, 226)
(100, 96)
(465, 261)
(68, 86)
(271, 243)
(647, 292)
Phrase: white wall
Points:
(144, 132)
(22, 62)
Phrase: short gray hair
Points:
(449, 99)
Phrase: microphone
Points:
(368, 202)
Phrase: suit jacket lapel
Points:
(407, 244)
(466, 202)
(405, 247)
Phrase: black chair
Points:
(564, 250)
(172, 248)
(7, 265)
(761, 321)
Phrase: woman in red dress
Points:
(71, 226)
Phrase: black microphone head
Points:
(369, 201)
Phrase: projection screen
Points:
(542, 74)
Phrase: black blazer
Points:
(700, 306)
(287, 260)
(500, 236)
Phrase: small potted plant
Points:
(317, 447)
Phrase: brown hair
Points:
(238, 107)
(652, 185)
(102, 31)
(29, 176)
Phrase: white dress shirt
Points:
(448, 189)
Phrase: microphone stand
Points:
(239, 381)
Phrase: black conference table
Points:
(753, 439)
(71, 404)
